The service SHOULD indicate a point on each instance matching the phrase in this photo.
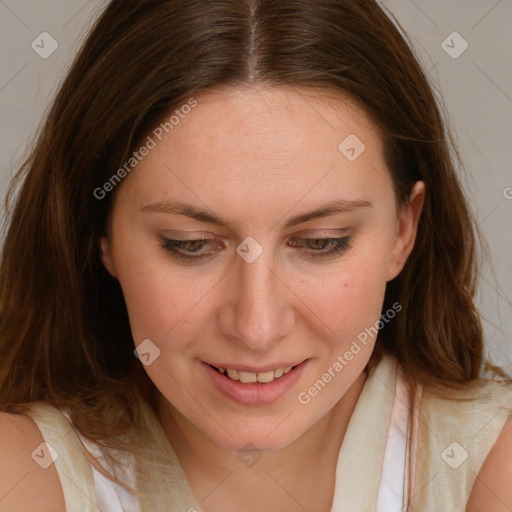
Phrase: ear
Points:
(406, 229)
(106, 256)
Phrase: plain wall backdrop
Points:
(464, 45)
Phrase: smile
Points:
(251, 377)
(251, 385)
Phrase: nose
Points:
(257, 309)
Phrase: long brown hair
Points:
(64, 331)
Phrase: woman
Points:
(239, 275)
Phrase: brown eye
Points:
(317, 246)
(188, 249)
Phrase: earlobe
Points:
(407, 227)
(106, 256)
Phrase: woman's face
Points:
(262, 174)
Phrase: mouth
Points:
(252, 377)
(261, 386)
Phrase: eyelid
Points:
(341, 245)
(173, 236)
(310, 233)
(322, 233)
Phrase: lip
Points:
(255, 393)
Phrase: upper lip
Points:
(255, 369)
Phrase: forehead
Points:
(271, 123)
(274, 144)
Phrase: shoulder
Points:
(492, 489)
(26, 484)
(473, 404)
(480, 420)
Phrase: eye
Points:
(190, 250)
(324, 247)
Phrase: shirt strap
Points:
(69, 456)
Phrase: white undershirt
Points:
(391, 490)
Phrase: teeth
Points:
(278, 373)
(265, 377)
(233, 374)
(247, 377)
(250, 377)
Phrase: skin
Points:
(492, 491)
(258, 156)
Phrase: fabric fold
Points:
(70, 460)
(361, 457)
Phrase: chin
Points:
(257, 437)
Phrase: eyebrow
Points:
(189, 210)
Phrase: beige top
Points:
(444, 448)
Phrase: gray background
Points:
(476, 88)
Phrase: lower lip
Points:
(255, 393)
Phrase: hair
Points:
(64, 333)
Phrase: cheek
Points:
(351, 298)
(159, 297)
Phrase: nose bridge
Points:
(260, 314)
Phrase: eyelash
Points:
(340, 246)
